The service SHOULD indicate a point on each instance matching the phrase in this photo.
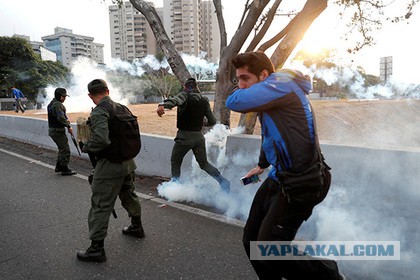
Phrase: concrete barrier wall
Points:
(350, 165)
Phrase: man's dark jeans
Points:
(272, 218)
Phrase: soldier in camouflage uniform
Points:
(57, 123)
(192, 108)
(110, 179)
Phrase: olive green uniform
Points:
(57, 123)
(186, 140)
(110, 179)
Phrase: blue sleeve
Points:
(259, 96)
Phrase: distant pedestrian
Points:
(57, 123)
(18, 95)
(192, 108)
(114, 133)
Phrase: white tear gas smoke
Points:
(361, 209)
(118, 74)
(83, 71)
(351, 78)
(199, 187)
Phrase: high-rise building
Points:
(39, 48)
(192, 26)
(183, 25)
(131, 35)
(210, 31)
(68, 46)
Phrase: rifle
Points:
(75, 143)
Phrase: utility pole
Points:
(385, 68)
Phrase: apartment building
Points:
(69, 46)
(183, 25)
(131, 35)
(39, 48)
(210, 32)
(190, 24)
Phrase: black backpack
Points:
(124, 133)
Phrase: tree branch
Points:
(269, 19)
(172, 55)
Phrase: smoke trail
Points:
(351, 78)
(199, 187)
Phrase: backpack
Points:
(124, 133)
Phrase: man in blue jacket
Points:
(18, 95)
(289, 143)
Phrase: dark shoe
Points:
(134, 231)
(67, 171)
(94, 253)
(342, 277)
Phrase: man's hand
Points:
(70, 130)
(160, 110)
(256, 170)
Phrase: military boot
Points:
(66, 171)
(95, 253)
(58, 167)
(135, 229)
(223, 182)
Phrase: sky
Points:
(90, 18)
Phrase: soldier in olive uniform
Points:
(110, 179)
(192, 108)
(57, 123)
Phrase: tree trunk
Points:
(295, 31)
(225, 78)
(172, 55)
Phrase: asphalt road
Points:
(43, 223)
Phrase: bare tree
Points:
(255, 18)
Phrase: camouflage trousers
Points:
(104, 194)
(60, 139)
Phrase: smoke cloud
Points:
(350, 77)
(119, 76)
(353, 210)
(364, 207)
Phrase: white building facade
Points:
(68, 46)
(190, 24)
(131, 35)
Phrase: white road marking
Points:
(193, 210)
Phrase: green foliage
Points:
(163, 85)
(21, 67)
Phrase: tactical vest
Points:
(52, 120)
(190, 115)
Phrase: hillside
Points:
(376, 123)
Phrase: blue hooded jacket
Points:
(17, 93)
(286, 120)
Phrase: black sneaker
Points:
(92, 254)
(134, 231)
